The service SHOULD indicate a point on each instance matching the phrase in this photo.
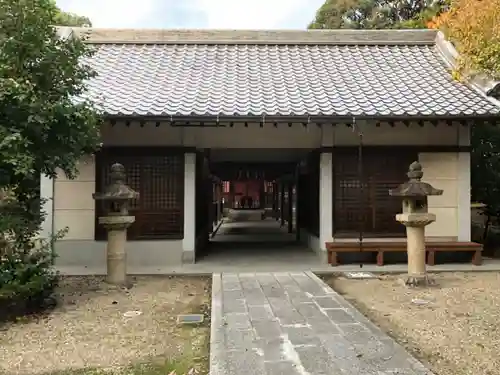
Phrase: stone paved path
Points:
(294, 324)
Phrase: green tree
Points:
(376, 14)
(42, 129)
(71, 19)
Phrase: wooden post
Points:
(275, 200)
(297, 196)
(219, 202)
(231, 194)
(282, 203)
(262, 195)
(290, 208)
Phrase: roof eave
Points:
(316, 119)
(480, 83)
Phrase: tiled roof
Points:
(246, 77)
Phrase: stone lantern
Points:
(415, 217)
(116, 197)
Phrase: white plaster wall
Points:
(73, 203)
(441, 170)
(450, 172)
(189, 241)
(325, 199)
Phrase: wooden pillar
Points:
(219, 201)
(262, 195)
(282, 204)
(231, 194)
(297, 195)
(275, 199)
(290, 208)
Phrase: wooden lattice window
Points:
(362, 203)
(158, 175)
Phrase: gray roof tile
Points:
(279, 79)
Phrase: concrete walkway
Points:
(292, 323)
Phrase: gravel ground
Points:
(89, 329)
(454, 327)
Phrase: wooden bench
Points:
(385, 246)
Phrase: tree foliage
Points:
(474, 27)
(71, 19)
(376, 14)
(42, 129)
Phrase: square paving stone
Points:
(249, 284)
(284, 279)
(281, 368)
(274, 291)
(301, 335)
(344, 356)
(298, 297)
(267, 329)
(310, 311)
(232, 294)
(355, 333)
(325, 326)
(339, 316)
(291, 287)
(240, 339)
(234, 306)
(316, 360)
(231, 285)
(327, 302)
(262, 312)
(237, 321)
(272, 349)
(267, 280)
(287, 318)
(255, 297)
(246, 362)
(230, 277)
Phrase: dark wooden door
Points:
(158, 175)
(362, 202)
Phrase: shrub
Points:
(27, 275)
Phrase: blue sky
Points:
(221, 14)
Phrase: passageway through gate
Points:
(254, 199)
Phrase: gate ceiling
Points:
(230, 171)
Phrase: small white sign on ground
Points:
(360, 275)
(190, 319)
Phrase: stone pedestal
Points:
(116, 199)
(415, 236)
(415, 218)
(116, 256)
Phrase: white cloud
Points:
(111, 13)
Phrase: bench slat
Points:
(380, 247)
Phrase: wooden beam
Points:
(290, 208)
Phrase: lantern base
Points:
(415, 281)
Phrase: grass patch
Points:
(179, 367)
